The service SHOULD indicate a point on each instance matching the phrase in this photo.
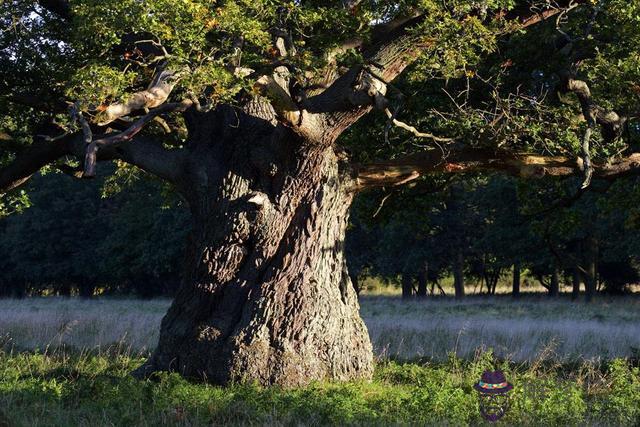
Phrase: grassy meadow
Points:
(65, 361)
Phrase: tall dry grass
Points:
(38, 323)
(431, 328)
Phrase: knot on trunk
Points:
(261, 212)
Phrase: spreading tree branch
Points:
(93, 146)
(379, 32)
(463, 159)
(353, 94)
(127, 146)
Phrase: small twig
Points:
(453, 100)
(413, 130)
(384, 199)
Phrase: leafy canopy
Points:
(477, 82)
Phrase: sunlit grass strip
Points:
(61, 389)
(421, 329)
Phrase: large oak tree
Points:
(241, 107)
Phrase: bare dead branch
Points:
(413, 130)
(155, 95)
(384, 199)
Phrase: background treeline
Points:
(486, 228)
(83, 237)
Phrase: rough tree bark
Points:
(267, 296)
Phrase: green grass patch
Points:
(65, 389)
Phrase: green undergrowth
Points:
(65, 389)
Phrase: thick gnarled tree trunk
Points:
(267, 296)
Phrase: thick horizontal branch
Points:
(140, 151)
(150, 156)
(468, 159)
(30, 161)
